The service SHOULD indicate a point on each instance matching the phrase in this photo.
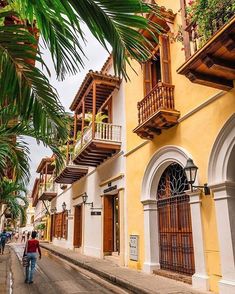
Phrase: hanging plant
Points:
(209, 15)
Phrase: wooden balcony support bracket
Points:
(229, 42)
(208, 80)
(218, 64)
(212, 63)
(71, 174)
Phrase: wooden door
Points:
(77, 239)
(108, 224)
(52, 227)
(175, 229)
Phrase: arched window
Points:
(173, 182)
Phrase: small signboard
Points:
(95, 212)
(110, 188)
(134, 244)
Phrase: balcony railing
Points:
(48, 187)
(160, 97)
(197, 39)
(104, 132)
(209, 44)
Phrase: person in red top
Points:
(31, 248)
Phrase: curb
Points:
(108, 277)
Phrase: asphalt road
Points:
(54, 276)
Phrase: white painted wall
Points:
(93, 225)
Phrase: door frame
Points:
(80, 238)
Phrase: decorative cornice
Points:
(115, 178)
(149, 201)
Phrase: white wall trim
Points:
(220, 153)
(158, 163)
(202, 105)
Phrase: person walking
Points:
(23, 237)
(3, 240)
(31, 248)
(16, 237)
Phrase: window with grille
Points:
(61, 225)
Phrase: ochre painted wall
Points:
(196, 134)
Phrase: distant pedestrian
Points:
(31, 248)
(3, 240)
(23, 237)
(16, 237)
(8, 236)
(28, 235)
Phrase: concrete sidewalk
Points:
(132, 280)
(5, 265)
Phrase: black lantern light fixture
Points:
(191, 173)
(52, 210)
(63, 206)
(84, 199)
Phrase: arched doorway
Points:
(174, 220)
(160, 161)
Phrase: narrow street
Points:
(53, 276)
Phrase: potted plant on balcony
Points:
(208, 16)
(99, 119)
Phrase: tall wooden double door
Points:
(111, 221)
(77, 239)
(174, 218)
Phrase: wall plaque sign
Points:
(109, 189)
(95, 212)
(134, 244)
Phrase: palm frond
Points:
(25, 86)
(115, 23)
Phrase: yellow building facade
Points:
(205, 133)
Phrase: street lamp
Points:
(84, 199)
(53, 210)
(63, 206)
(191, 173)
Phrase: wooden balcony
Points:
(211, 62)
(95, 84)
(71, 173)
(97, 144)
(156, 111)
(47, 191)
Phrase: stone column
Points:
(200, 280)
(224, 196)
(151, 239)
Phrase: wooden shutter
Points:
(77, 239)
(52, 232)
(165, 58)
(108, 224)
(55, 225)
(64, 231)
(147, 77)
